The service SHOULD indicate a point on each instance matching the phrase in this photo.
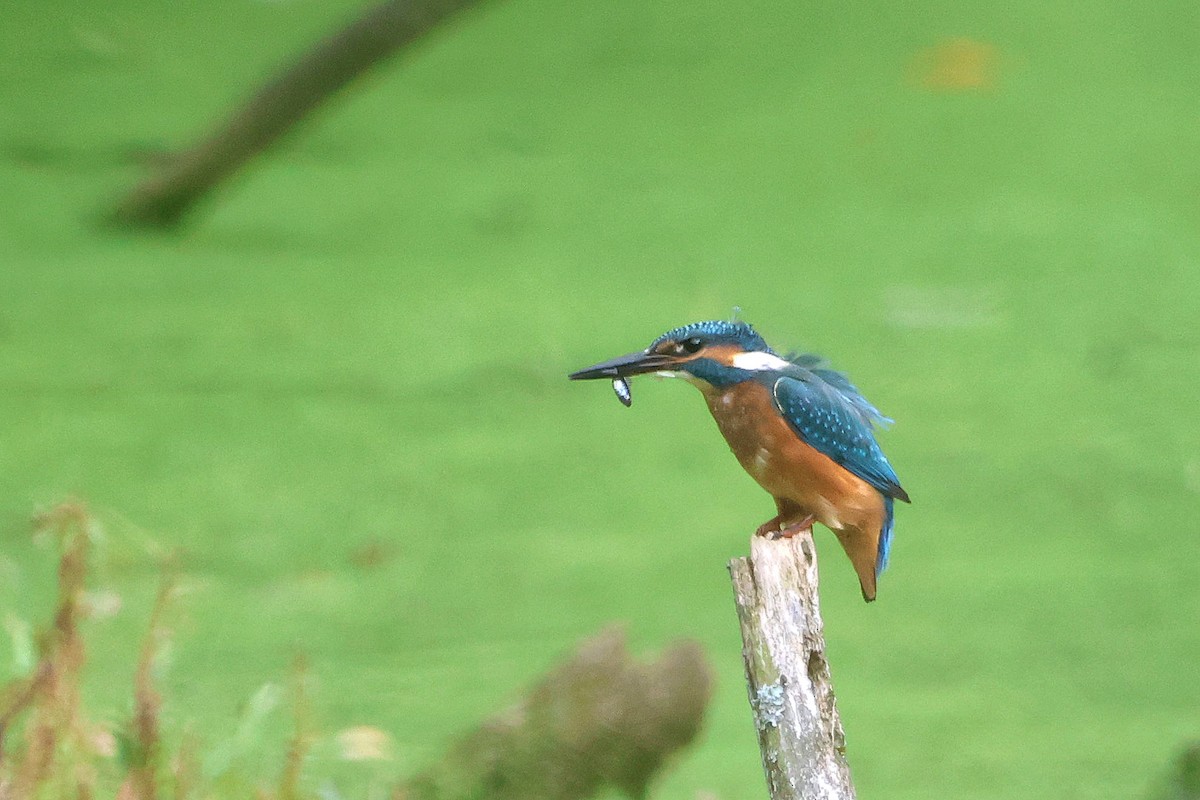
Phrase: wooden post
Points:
(791, 694)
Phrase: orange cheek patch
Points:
(722, 354)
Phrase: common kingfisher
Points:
(803, 431)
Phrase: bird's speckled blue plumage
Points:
(828, 412)
(828, 418)
(821, 405)
(802, 430)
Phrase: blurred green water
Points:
(364, 346)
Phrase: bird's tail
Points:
(868, 546)
(885, 538)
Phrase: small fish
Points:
(621, 387)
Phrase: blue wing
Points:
(815, 364)
(829, 414)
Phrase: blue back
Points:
(829, 413)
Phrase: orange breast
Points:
(785, 466)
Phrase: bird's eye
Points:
(691, 345)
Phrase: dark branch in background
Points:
(165, 198)
(601, 719)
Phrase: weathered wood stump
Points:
(787, 674)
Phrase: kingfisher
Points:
(802, 430)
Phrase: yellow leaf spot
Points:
(956, 65)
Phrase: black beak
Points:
(623, 367)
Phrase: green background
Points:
(361, 347)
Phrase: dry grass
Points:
(43, 738)
(48, 745)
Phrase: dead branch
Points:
(164, 199)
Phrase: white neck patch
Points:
(687, 376)
(756, 360)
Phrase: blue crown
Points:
(717, 332)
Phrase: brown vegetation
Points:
(601, 719)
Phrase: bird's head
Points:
(714, 353)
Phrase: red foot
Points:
(768, 528)
(772, 530)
